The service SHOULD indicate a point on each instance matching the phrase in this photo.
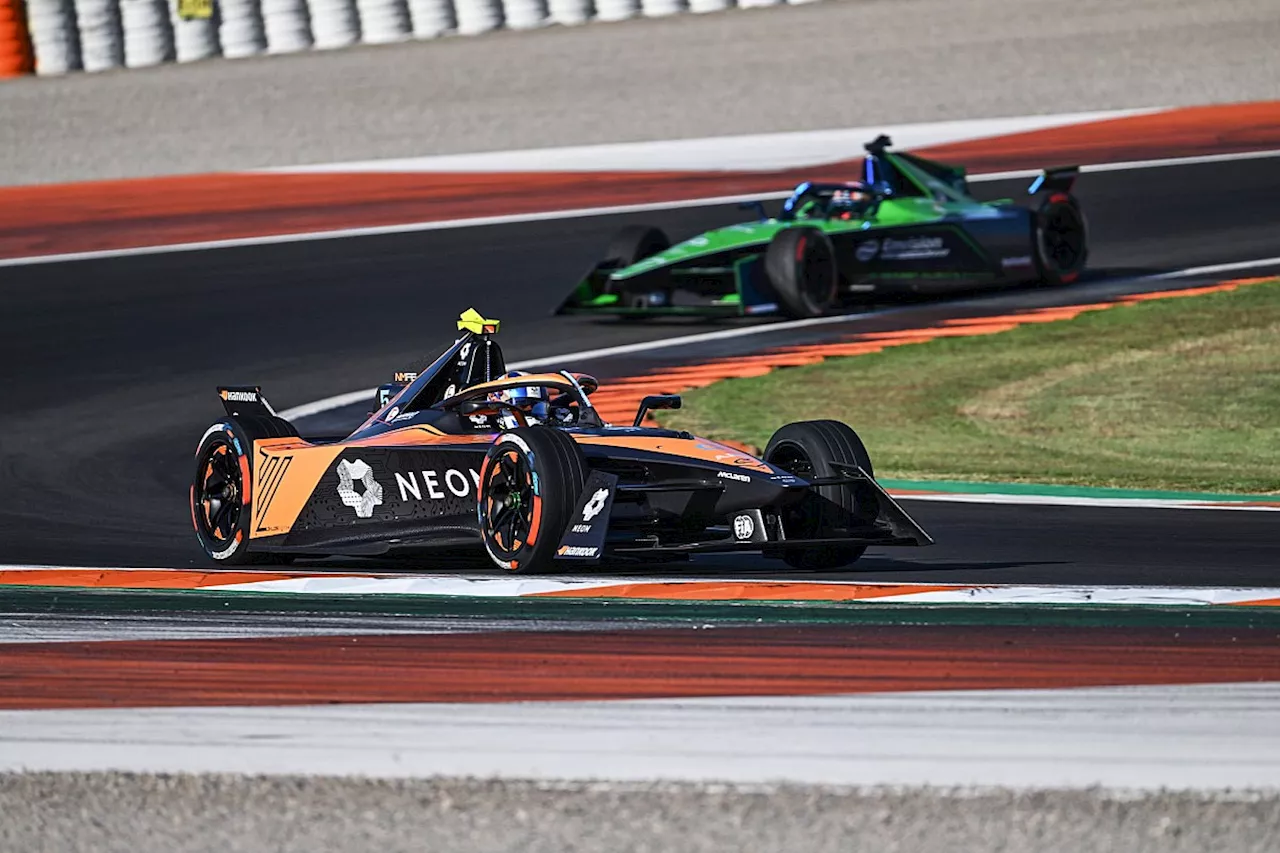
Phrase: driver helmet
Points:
(530, 399)
(843, 202)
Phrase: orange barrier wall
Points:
(15, 41)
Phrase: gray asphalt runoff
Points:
(221, 814)
(841, 63)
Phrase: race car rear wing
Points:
(245, 400)
(1059, 179)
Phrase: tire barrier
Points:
(661, 8)
(148, 32)
(54, 36)
(195, 30)
(15, 43)
(240, 29)
(101, 38)
(524, 14)
(59, 36)
(568, 13)
(287, 25)
(431, 18)
(616, 10)
(334, 23)
(383, 21)
(477, 16)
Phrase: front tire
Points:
(1060, 239)
(800, 268)
(221, 491)
(808, 449)
(529, 488)
(635, 243)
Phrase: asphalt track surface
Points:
(110, 367)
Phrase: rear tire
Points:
(800, 268)
(221, 490)
(529, 488)
(808, 449)
(1060, 239)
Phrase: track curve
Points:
(112, 365)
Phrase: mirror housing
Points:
(757, 206)
(654, 402)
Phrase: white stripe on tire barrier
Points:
(477, 16)
(754, 4)
(148, 33)
(194, 39)
(383, 21)
(54, 36)
(616, 10)
(524, 14)
(431, 18)
(701, 6)
(101, 39)
(287, 25)
(569, 12)
(241, 33)
(334, 23)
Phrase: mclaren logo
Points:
(357, 487)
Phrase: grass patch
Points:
(1179, 394)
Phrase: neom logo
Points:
(456, 482)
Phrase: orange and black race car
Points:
(468, 454)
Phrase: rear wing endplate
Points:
(1059, 179)
(245, 400)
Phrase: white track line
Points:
(353, 397)
(551, 215)
(380, 230)
(996, 497)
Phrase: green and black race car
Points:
(909, 224)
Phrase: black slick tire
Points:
(808, 449)
(529, 487)
(221, 490)
(635, 243)
(800, 269)
(1059, 239)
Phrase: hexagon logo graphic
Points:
(362, 499)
